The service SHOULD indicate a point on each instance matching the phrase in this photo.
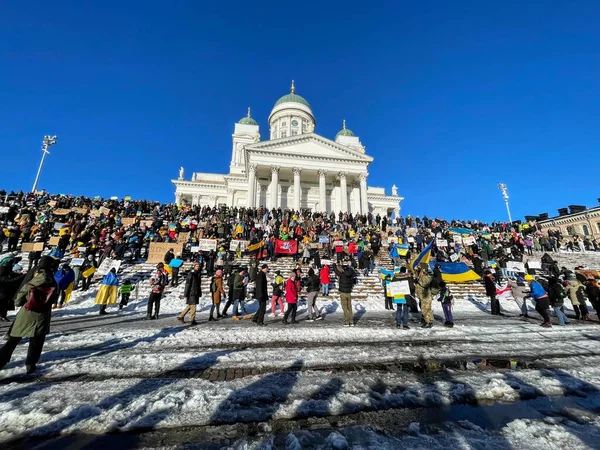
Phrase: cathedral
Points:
(296, 168)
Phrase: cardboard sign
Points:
(534, 265)
(107, 265)
(410, 239)
(454, 257)
(442, 243)
(233, 245)
(52, 203)
(183, 237)
(32, 247)
(61, 212)
(147, 222)
(468, 240)
(157, 250)
(126, 221)
(411, 231)
(79, 210)
(76, 262)
(206, 245)
(457, 238)
(104, 210)
(95, 212)
(54, 240)
(325, 262)
(515, 266)
(324, 239)
(195, 249)
(399, 288)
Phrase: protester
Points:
(260, 293)
(108, 292)
(291, 297)
(158, 281)
(542, 302)
(312, 291)
(423, 291)
(192, 294)
(346, 277)
(276, 298)
(125, 291)
(446, 299)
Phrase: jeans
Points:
(447, 307)
(154, 301)
(562, 319)
(235, 306)
(291, 309)
(36, 344)
(325, 288)
(402, 314)
(276, 300)
(311, 299)
(504, 271)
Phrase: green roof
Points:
(292, 98)
(248, 121)
(344, 131)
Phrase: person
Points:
(125, 291)
(386, 280)
(65, 278)
(276, 298)
(446, 299)
(10, 281)
(169, 256)
(345, 276)
(291, 297)
(401, 303)
(557, 296)
(312, 290)
(237, 297)
(518, 289)
(36, 296)
(576, 292)
(158, 281)
(423, 291)
(305, 254)
(542, 302)
(175, 264)
(593, 292)
(325, 276)
(192, 294)
(87, 272)
(490, 291)
(218, 293)
(261, 294)
(108, 292)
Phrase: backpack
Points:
(213, 285)
(38, 297)
(434, 287)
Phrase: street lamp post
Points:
(49, 141)
(504, 190)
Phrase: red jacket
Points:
(291, 294)
(352, 248)
(324, 275)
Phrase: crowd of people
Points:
(69, 237)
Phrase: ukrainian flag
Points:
(383, 273)
(402, 249)
(422, 257)
(457, 272)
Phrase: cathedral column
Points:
(258, 193)
(364, 201)
(322, 191)
(274, 186)
(297, 188)
(251, 185)
(344, 191)
(230, 193)
(178, 198)
(195, 199)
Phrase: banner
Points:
(32, 247)
(233, 245)
(206, 245)
(61, 212)
(515, 266)
(107, 265)
(4, 209)
(54, 240)
(457, 238)
(468, 240)
(324, 239)
(157, 250)
(442, 243)
(255, 247)
(126, 221)
(286, 247)
(399, 288)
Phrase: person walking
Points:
(217, 294)
(175, 264)
(325, 276)
(158, 281)
(312, 291)
(276, 298)
(490, 291)
(36, 297)
(542, 301)
(291, 297)
(593, 292)
(10, 281)
(108, 292)
(125, 290)
(576, 292)
(345, 276)
(423, 291)
(261, 294)
(518, 288)
(446, 299)
(192, 293)
(557, 296)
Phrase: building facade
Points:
(584, 223)
(296, 168)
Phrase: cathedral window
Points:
(294, 132)
(283, 133)
(283, 124)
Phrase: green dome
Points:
(292, 98)
(344, 131)
(248, 121)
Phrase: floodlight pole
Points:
(48, 142)
(504, 191)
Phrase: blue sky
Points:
(449, 97)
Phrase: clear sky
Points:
(449, 97)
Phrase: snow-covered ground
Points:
(101, 374)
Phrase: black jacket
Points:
(346, 278)
(313, 283)
(193, 288)
(490, 286)
(260, 289)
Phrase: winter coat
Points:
(238, 287)
(574, 290)
(278, 286)
(557, 294)
(537, 291)
(260, 289)
(9, 285)
(422, 286)
(291, 293)
(324, 275)
(519, 291)
(108, 292)
(193, 287)
(218, 293)
(345, 279)
(490, 286)
(158, 281)
(32, 323)
(313, 283)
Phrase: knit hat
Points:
(219, 273)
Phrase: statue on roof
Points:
(394, 190)
(181, 173)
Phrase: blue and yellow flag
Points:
(457, 272)
(403, 249)
(422, 257)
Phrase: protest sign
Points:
(58, 225)
(338, 243)
(534, 265)
(82, 249)
(80, 210)
(515, 266)
(183, 237)
(107, 265)
(126, 221)
(468, 240)
(104, 210)
(399, 288)
(325, 262)
(76, 262)
(442, 243)
(411, 239)
(61, 212)
(32, 247)
(411, 231)
(195, 249)
(52, 203)
(206, 245)
(4, 209)
(233, 245)
(157, 250)
(95, 212)
(324, 239)
(457, 238)
(54, 240)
